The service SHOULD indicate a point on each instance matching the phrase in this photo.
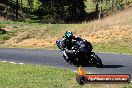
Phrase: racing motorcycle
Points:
(80, 53)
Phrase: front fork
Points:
(64, 53)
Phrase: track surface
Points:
(113, 63)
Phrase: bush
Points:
(4, 37)
(1, 26)
(2, 7)
(2, 31)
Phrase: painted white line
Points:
(21, 63)
(12, 62)
(3, 61)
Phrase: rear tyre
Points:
(97, 61)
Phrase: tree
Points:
(64, 10)
(97, 5)
(30, 3)
(21, 4)
(98, 9)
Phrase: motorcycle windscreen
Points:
(84, 49)
(59, 44)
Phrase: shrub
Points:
(4, 37)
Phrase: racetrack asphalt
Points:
(113, 63)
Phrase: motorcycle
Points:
(80, 53)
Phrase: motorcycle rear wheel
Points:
(96, 61)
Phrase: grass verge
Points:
(112, 49)
(36, 76)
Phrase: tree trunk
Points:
(97, 7)
(16, 9)
(100, 10)
(30, 3)
(97, 10)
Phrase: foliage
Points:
(102, 8)
(115, 4)
(1, 30)
(4, 37)
(62, 10)
(1, 26)
(2, 7)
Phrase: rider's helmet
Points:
(68, 35)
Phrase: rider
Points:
(67, 43)
(68, 40)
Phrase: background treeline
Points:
(60, 11)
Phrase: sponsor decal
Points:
(83, 78)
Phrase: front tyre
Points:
(96, 60)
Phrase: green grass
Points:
(26, 25)
(115, 46)
(112, 49)
(31, 76)
(36, 76)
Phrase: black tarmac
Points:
(113, 63)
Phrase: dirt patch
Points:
(2, 18)
(33, 42)
(114, 33)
